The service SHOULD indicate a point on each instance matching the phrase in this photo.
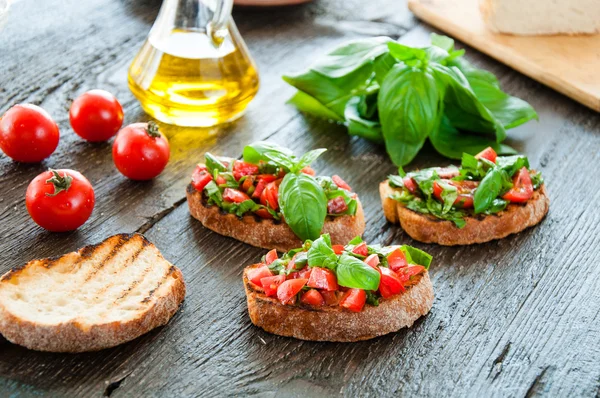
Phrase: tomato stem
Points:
(152, 129)
(61, 183)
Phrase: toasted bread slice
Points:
(269, 234)
(482, 228)
(335, 323)
(98, 297)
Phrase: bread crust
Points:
(479, 229)
(269, 234)
(73, 337)
(335, 323)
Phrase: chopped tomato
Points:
(271, 256)
(447, 172)
(361, 249)
(312, 297)
(465, 193)
(248, 183)
(410, 184)
(337, 205)
(303, 273)
(234, 195)
(256, 274)
(288, 290)
(260, 187)
(263, 213)
(331, 298)
(271, 283)
(372, 260)
(269, 195)
(389, 284)
(267, 178)
(323, 278)
(522, 189)
(241, 169)
(405, 273)
(221, 180)
(488, 153)
(308, 170)
(201, 178)
(338, 249)
(397, 260)
(341, 183)
(354, 300)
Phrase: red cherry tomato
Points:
(308, 170)
(338, 249)
(264, 213)
(96, 115)
(234, 195)
(28, 134)
(405, 273)
(331, 298)
(354, 300)
(361, 249)
(271, 256)
(372, 260)
(248, 183)
(322, 278)
(410, 184)
(488, 153)
(465, 192)
(141, 151)
(201, 178)
(341, 183)
(269, 195)
(60, 200)
(256, 274)
(287, 291)
(271, 283)
(312, 297)
(522, 189)
(241, 169)
(397, 260)
(389, 284)
(336, 205)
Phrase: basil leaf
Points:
(512, 164)
(213, 193)
(488, 190)
(354, 273)
(449, 195)
(372, 298)
(405, 53)
(537, 180)
(303, 204)
(281, 159)
(306, 103)
(307, 159)
(359, 126)
(441, 41)
(213, 163)
(408, 110)
(321, 254)
(356, 241)
(382, 65)
(416, 256)
(497, 206)
(255, 152)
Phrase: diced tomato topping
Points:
(337, 205)
(303, 273)
(447, 172)
(361, 249)
(271, 256)
(389, 284)
(257, 273)
(372, 260)
(234, 195)
(410, 184)
(269, 195)
(341, 183)
(221, 180)
(263, 213)
(308, 170)
(522, 189)
(267, 178)
(323, 278)
(338, 249)
(271, 283)
(354, 300)
(331, 298)
(397, 260)
(465, 193)
(241, 169)
(488, 153)
(248, 183)
(287, 291)
(260, 187)
(312, 297)
(200, 178)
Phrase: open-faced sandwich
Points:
(272, 199)
(488, 197)
(326, 292)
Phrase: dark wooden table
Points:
(516, 317)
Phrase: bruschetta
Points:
(327, 292)
(272, 199)
(489, 197)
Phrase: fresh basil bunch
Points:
(401, 96)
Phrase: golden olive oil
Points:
(187, 80)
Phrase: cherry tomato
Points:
(271, 283)
(28, 134)
(522, 189)
(221, 180)
(287, 291)
(269, 195)
(397, 260)
(410, 184)
(241, 169)
(248, 183)
(338, 249)
(312, 297)
(96, 115)
(256, 274)
(263, 213)
(201, 178)
(336, 205)
(60, 200)
(361, 249)
(308, 170)
(465, 192)
(372, 260)
(488, 153)
(271, 256)
(405, 273)
(354, 300)
(234, 195)
(389, 284)
(323, 278)
(331, 298)
(141, 151)
(341, 183)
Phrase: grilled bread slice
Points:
(335, 323)
(269, 234)
(482, 228)
(98, 297)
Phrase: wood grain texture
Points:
(516, 317)
(568, 64)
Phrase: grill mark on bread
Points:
(134, 283)
(126, 264)
(107, 258)
(170, 271)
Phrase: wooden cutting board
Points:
(568, 64)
